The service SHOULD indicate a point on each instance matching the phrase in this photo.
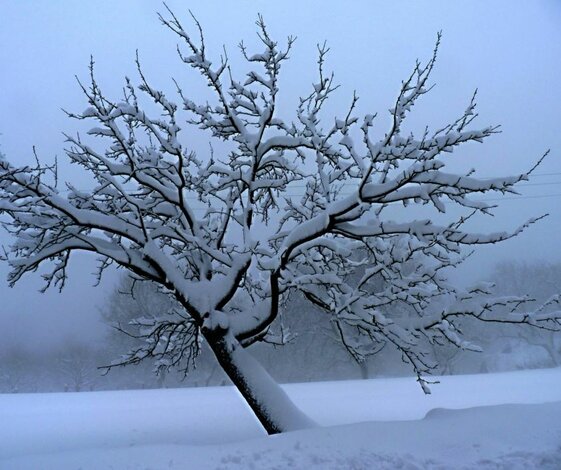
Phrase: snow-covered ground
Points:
(495, 421)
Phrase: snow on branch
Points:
(228, 238)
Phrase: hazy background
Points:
(509, 50)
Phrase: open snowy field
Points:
(507, 421)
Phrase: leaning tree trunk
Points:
(268, 401)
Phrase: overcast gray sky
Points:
(509, 50)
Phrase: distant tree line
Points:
(307, 347)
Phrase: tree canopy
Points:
(229, 266)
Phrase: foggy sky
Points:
(509, 50)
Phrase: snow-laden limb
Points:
(226, 239)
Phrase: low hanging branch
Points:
(224, 237)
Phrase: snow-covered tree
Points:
(230, 265)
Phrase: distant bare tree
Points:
(14, 369)
(307, 343)
(126, 311)
(77, 366)
(539, 280)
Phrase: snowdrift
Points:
(509, 420)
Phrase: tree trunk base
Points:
(268, 401)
